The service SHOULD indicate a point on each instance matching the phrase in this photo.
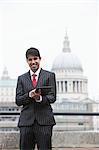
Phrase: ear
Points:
(26, 60)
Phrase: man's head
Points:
(33, 58)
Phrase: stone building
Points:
(7, 87)
(72, 93)
(7, 102)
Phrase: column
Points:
(59, 86)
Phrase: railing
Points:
(59, 113)
(9, 140)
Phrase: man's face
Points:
(33, 62)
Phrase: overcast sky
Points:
(43, 24)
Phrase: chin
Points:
(34, 69)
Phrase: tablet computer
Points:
(44, 89)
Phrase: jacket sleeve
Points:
(51, 96)
(21, 97)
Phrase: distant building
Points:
(7, 87)
(7, 102)
(72, 93)
(9, 122)
(96, 109)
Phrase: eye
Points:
(35, 58)
(29, 59)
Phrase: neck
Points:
(36, 70)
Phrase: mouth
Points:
(33, 66)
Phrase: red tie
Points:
(34, 80)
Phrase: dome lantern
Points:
(5, 75)
(66, 44)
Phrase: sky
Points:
(43, 24)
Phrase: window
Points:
(80, 123)
(65, 86)
(62, 86)
(73, 86)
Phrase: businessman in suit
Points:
(36, 118)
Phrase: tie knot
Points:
(34, 75)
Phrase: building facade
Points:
(7, 87)
(72, 90)
(7, 103)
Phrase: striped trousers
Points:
(36, 134)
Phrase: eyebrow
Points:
(33, 58)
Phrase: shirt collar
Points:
(37, 72)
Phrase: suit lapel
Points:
(40, 79)
(28, 78)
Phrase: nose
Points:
(33, 61)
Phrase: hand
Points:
(34, 94)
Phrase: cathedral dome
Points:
(66, 60)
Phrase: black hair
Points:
(33, 51)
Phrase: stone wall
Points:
(75, 139)
(10, 140)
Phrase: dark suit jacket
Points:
(31, 110)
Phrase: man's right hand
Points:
(34, 94)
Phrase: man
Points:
(36, 119)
